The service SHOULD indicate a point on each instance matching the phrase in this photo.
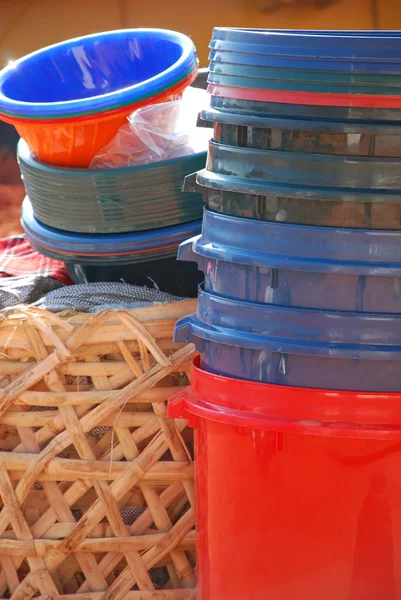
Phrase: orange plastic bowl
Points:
(74, 142)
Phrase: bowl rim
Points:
(104, 243)
(32, 161)
(153, 85)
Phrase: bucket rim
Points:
(267, 407)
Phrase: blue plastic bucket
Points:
(225, 64)
(220, 54)
(291, 120)
(322, 86)
(303, 111)
(340, 210)
(297, 265)
(304, 135)
(295, 347)
(321, 50)
(308, 174)
(249, 167)
(336, 44)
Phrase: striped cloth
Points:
(18, 258)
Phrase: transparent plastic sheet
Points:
(156, 133)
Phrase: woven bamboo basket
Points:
(96, 483)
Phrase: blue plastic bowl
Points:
(99, 245)
(144, 258)
(114, 200)
(297, 265)
(295, 347)
(95, 73)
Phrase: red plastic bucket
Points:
(298, 490)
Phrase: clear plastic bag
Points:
(156, 133)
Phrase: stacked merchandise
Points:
(299, 319)
(68, 102)
(99, 383)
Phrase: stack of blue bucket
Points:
(301, 238)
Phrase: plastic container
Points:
(344, 69)
(348, 51)
(289, 206)
(294, 346)
(311, 136)
(238, 56)
(111, 201)
(351, 114)
(75, 110)
(300, 488)
(301, 95)
(144, 258)
(325, 44)
(103, 245)
(74, 142)
(226, 65)
(95, 73)
(323, 86)
(298, 266)
(251, 170)
(319, 142)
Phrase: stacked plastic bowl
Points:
(296, 399)
(301, 239)
(67, 102)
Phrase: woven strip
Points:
(96, 483)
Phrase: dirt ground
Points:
(11, 195)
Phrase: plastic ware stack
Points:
(68, 102)
(297, 394)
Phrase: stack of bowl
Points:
(301, 237)
(67, 102)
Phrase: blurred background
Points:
(26, 25)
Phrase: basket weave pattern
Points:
(96, 483)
